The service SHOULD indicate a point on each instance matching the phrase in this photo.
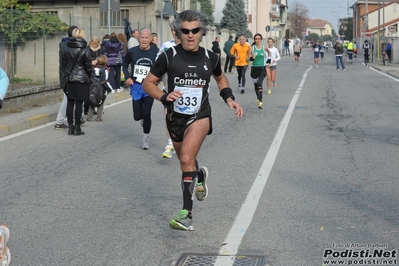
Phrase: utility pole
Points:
(366, 20)
(109, 16)
(378, 33)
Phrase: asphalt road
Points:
(99, 199)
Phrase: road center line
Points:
(244, 217)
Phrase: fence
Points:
(31, 47)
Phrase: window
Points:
(116, 18)
(51, 12)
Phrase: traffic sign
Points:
(368, 33)
(275, 29)
(392, 29)
(267, 28)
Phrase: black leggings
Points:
(258, 74)
(78, 111)
(241, 70)
(366, 58)
(142, 110)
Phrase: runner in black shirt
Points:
(189, 68)
(141, 58)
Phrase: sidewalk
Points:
(390, 69)
(11, 123)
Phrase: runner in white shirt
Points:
(297, 51)
(169, 149)
(271, 68)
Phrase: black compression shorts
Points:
(179, 123)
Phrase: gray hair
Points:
(173, 25)
(189, 16)
(143, 30)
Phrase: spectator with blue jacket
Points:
(4, 81)
(388, 51)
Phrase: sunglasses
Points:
(187, 31)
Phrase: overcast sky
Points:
(323, 9)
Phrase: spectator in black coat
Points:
(216, 46)
(76, 60)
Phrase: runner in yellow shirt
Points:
(242, 52)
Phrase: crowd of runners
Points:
(185, 70)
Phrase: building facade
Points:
(319, 26)
(382, 21)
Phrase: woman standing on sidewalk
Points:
(95, 51)
(114, 49)
(259, 58)
(77, 63)
(4, 81)
(271, 68)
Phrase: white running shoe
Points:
(201, 190)
(5, 255)
(146, 144)
(169, 151)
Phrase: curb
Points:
(42, 119)
(386, 72)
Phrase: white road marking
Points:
(24, 132)
(386, 75)
(244, 217)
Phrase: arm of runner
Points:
(278, 57)
(125, 68)
(159, 68)
(150, 87)
(233, 52)
(267, 51)
(223, 83)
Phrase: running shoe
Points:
(182, 222)
(169, 151)
(5, 255)
(201, 190)
(60, 126)
(146, 144)
(239, 87)
(260, 105)
(242, 90)
(269, 91)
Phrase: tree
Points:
(346, 28)
(19, 26)
(234, 17)
(314, 37)
(298, 17)
(207, 8)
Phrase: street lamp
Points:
(337, 16)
